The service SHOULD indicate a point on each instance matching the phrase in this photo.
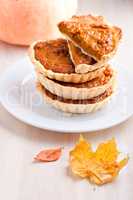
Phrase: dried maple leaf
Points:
(49, 155)
(100, 166)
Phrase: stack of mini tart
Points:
(72, 73)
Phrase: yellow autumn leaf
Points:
(100, 166)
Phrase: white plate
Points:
(19, 96)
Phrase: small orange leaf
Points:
(48, 155)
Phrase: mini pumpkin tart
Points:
(85, 90)
(83, 62)
(52, 59)
(77, 106)
(93, 35)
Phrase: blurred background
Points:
(118, 12)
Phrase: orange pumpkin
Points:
(23, 21)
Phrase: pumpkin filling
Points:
(92, 34)
(54, 55)
(93, 100)
(99, 81)
(78, 56)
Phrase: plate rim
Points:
(60, 129)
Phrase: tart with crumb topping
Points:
(85, 90)
(93, 35)
(51, 59)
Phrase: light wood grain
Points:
(20, 178)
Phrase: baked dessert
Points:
(51, 59)
(79, 91)
(83, 62)
(77, 106)
(93, 35)
(72, 73)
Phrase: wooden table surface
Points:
(20, 177)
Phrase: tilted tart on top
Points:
(52, 59)
(93, 35)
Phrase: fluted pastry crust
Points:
(76, 108)
(81, 91)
